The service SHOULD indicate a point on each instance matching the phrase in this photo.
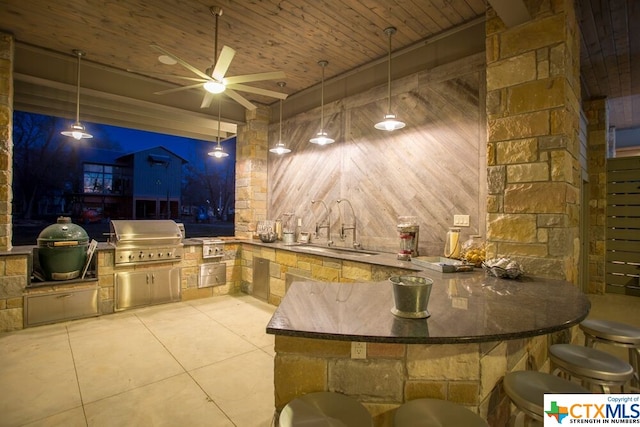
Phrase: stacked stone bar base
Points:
(468, 374)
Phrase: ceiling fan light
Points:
(390, 123)
(213, 86)
(77, 131)
(322, 139)
(167, 60)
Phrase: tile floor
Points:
(207, 362)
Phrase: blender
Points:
(408, 232)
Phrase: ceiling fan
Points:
(214, 80)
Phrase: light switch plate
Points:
(461, 220)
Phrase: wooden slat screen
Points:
(622, 267)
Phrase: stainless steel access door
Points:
(137, 289)
(261, 278)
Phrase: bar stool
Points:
(616, 334)
(526, 390)
(325, 409)
(436, 412)
(590, 365)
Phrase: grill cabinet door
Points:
(138, 289)
(164, 285)
(132, 290)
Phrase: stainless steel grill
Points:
(145, 241)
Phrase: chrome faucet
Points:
(327, 225)
(344, 227)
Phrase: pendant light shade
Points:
(280, 148)
(322, 138)
(390, 121)
(218, 152)
(77, 130)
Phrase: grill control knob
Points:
(150, 255)
(159, 254)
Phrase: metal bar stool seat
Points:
(325, 409)
(435, 412)
(590, 365)
(526, 390)
(616, 334)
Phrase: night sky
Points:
(192, 150)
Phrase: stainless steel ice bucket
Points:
(411, 296)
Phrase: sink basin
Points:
(335, 251)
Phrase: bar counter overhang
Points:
(480, 327)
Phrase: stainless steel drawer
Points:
(59, 306)
(212, 274)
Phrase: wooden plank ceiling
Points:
(293, 35)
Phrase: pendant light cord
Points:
(218, 137)
(322, 64)
(389, 31)
(79, 54)
(280, 132)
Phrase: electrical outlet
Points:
(461, 220)
(358, 350)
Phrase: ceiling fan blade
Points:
(240, 99)
(180, 61)
(206, 100)
(274, 75)
(169, 76)
(177, 89)
(223, 62)
(257, 91)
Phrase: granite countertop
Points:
(464, 308)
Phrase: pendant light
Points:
(280, 147)
(390, 122)
(218, 152)
(322, 138)
(77, 130)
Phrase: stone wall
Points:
(467, 374)
(314, 267)
(598, 130)
(533, 156)
(6, 141)
(251, 172)
(14, 273)
(191, 270)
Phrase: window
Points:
(98, 179)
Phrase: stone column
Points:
(251, 172)
(6, 141)
(533, 112)
(597, 136)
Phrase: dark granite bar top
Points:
(464, 308)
